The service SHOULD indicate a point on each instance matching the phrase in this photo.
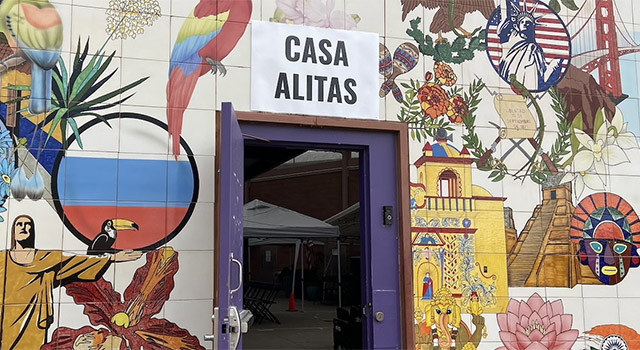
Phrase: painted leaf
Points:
(577, 124)
(151, 285)
(570, 4)
(160, 334)
(555, 5)
(598, 121)
(100, 301)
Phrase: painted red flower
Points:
(433, 100)
(129, 324)
(457, 109)
(536, 324)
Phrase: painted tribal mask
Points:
(607, 230)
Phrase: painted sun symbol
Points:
(614, 342)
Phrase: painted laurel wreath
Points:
(438, 104)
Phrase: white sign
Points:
(316, 71)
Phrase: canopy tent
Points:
(265, 222)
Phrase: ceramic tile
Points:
(197, 235)
(240, 55)
(96, 134)
(89, 23)
(66, 14)
(369, 13)
(235, 87)
(206, 183)
(523, 293)
(143, 131)
(575, 292)
(627, 287)
(204, 95)
(124, 273)
(198, 131)
(599, 311)
(267, 9)
(71, 315)
(395, 26)
(150, 91)
(153, 44)
(194, 283)
(192, 315)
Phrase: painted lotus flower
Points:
(317, 13)
(536, 325)
(129, 324)
(433, 100)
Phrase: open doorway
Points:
(385, 255)
(302, 248)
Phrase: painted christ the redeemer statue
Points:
(28, 277)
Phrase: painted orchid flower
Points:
(598, 153)
(589, 179)
(625, 139)
(536, 324)
(129, 324)
(316, 13)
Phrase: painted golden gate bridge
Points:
(605, 57)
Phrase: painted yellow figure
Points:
(475, 308)
(447, 330)
(31, 275)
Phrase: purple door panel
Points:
(231, 197)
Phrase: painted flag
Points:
(153, 190)
(550, 33)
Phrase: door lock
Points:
(379, 316)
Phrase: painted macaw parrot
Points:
(34, 30)
(207, 36)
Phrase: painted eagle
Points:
(440, 22)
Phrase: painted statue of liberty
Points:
(524, 56)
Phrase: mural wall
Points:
(523, 118)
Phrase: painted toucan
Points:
(107, 237)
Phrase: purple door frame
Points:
(385, 249)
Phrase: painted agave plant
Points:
(128, 323)
(73, 92)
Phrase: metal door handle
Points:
(209, 337)
(239, 274)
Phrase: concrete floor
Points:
(311, 329)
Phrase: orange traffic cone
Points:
(292, 303)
